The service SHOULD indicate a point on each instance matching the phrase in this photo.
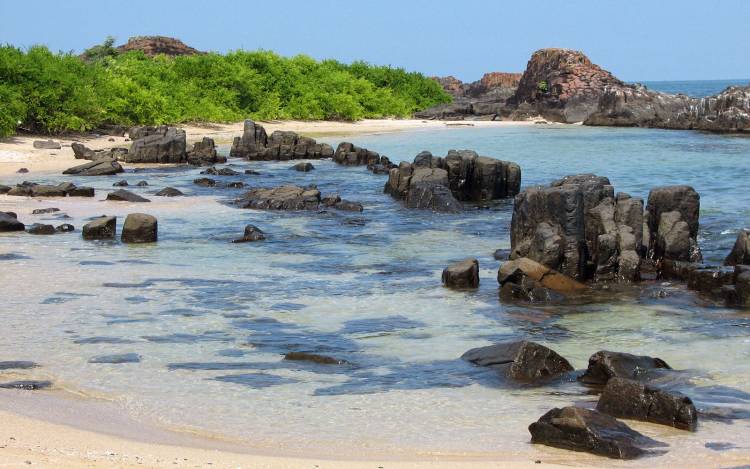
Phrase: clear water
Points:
(212, 320)
(695, 88)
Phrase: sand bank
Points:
(19, 152)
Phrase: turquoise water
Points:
(211, 320)
(695, 88)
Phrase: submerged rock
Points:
(17, 365)
(313, 358)
(463, 274)
(41, 211)
(522, 360)
(121, 195)
(579, 429)
(604, 365)
(65, 228)
(27, 385)
(100, 228)
(9, 222)
(282, 198)
(213, 171)
(205, 182)
(169, 192)
(529, 280)
(41, 229)
(140, 228)
(117, 359)
(303, 167)
(252, 233)
(629, 399)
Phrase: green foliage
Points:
(54, 93)
(542, 86)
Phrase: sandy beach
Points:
(19, 152)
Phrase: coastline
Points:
(18, 151)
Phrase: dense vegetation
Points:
(56, 92)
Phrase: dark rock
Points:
(81, 152)
(432, 196)
(204, 153)
(4, 189)
(579, 429)
(121, 195)
(253, 172)
(41, 211)
(22, 171)
(528, 280)
(27, 385)
(314, 358)
(41, 229)
(163, 145)
(117, 359)
(17, 365)
(628, 399)
(352, 155)
(142, 184)
(741, 251)
(329, 200)
(463, 274)
(281, 198)
(255, 144)
(100, 228)
(65, 228)
(100, 167)
(122, 183)
(348, 205)
(220, 172)
(169, 192)
(82, 192)
(605, 365)
(43, 190)
(139, 228)
(9, 222)
(252, 233)
(47, 144)
(522, 361)
(303, 167)
(710, 280)
(236, 185)
(672, 220)
(501, 254)
(205, 182)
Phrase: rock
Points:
(281, 198)
(100, 167)
(47, 144)
(253, 172)
(23, 170)
(80, 151)
(252, 233)
(628, 399)
(27, 385)
(579, 429)
(672, 219)
(65, 228)
(303, 167)
(213, 171)
(522, 360)
(157, 45)
(117, 359)
(348, 206)
(17, 365)
(483, 98)
(236, 185)
(43, 190)
(41, 211)
(741, 288)
(9, 222)
(255, 144)
(142, 184)
(169, 192)
(122, 183)
(205, 182)
(710, 280)
(41, 229)
(139, 228)
(204, 153)
(463, 274)
(352, 155)
(314, 358)
(329, 200)
(604, 365)
(529, 280)
(741, 251)
(432, 196)
(165, 145)
(81, 192)
(121, 195)
(4, 189)
(100, 228)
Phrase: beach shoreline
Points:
(18, 152)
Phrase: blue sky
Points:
(636, 40)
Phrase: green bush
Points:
(58, 92)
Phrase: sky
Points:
(636, 40)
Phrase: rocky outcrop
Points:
(214, 171)
(482, 99)
(528, 280)
(100, 228)
(740, 254)
(139, 228)
(252, 233)
(605, 365)
(292, 198)
(522, 361)
(155, 45)
(579, 429)
(255, 144)
(466, 176)
(9, 222)
(157, 145)
(121, 195)
(463, 274)
(578, 226)
(169, 192)
(82, 152)
(204, 153)
(629, 399)
(99, 167)
(351, 155)
(32, 189)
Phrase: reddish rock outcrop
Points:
(155, 45)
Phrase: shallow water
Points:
(210, 320)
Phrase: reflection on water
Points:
(210, 321)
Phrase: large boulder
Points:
(9, 222)
(204, 153)
(740, 254)
(526, 279)
(139, 228)
(579, 429)
(255, 144)
(672, 220)
(282, 198)
(163, 145)
(521, 361)
(100, 228)
(463, 274)
(604, 365)
(99, 167)
(633, 400)
(121, 195)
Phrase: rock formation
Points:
(528, 280)
(100, 228)
(32, 189)
(255, 144)
(82, 152)
(351, 155)
(482, 99)
(463, 274)
(521, 361)
(157, 145)
(740, 254)
(99, 167)
(154, 45)
(121, 195)
(204, 153)
(605, 365)
(139, 228)
(292, 198)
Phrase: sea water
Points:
(211, 320)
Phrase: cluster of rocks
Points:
(294, 198)
(351, 155)
(440, 183)
(9, 222)
(255, 144)
(579, 227)
(160, 144)
(618, 377)
(480, 100)
(156, 45)
(32, 189)
(82, 152)
(138, 228)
